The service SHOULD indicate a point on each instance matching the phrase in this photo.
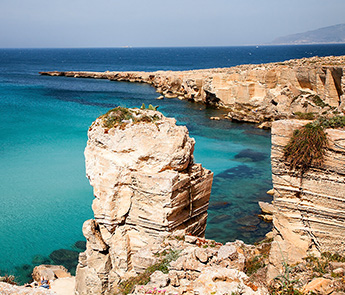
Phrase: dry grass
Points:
(306, 147)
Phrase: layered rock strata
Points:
(146, 185)
(308, 213)
(252, 93)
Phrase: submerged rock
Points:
(81, 245)
(240, 171)
(67, 258)
(251, 155)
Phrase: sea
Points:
(44, 194)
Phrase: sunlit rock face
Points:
(146, 185)
(308, 215)
(252, 93)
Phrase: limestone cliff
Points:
(146, 185)
(252, 93)
(308, 214)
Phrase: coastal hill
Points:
(331, 34)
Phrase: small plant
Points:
(122, 116)
(253, 265)
(305, 116)
(9, 279)
(318, 101)
(116, 116)
(286, 286)
(333, 257)
(128, 286)
(334, 122)
(150, 107)
(306, 147)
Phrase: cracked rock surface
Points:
(146, 185)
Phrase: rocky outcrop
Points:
(202, 266)
(308, 215)
(146, 185)
(252, 93)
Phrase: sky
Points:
(159, 23)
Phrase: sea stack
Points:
(146, 185)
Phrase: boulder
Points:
(227, 251)
(50, 272)
(159, 279)
(318, 286)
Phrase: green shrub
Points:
(305, 116)
(306, 147)
(115, 116)
(253, 264)
(120, 116)
(334, 122)
(128, 286)
(318, 101)
(286, 286)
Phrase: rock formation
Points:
(308, 214)
(203, 267)
(252, 93)
(146, 185)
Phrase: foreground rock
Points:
(202, 267)
(252, 93)
(49, 272)
(308, 213)
(146, 185)
(8, 289)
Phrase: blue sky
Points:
(112, 23)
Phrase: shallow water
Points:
(45, 196)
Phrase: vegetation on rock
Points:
(294, 278)
(9, 279)
(334, 122)
(305, 116)
(128, 286)
(120, 116)
(150, 107)
(306, 147)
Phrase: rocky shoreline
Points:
(151, 199)
(251, 93)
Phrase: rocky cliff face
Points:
(252, 93)
(146, 185)
(308, 213)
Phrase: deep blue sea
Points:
(44, 194)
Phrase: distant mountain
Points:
(332, 34)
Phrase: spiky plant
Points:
(307, 147)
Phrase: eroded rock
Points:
(308, 215)
(253, 93)
(146, 185)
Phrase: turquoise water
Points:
(44, 194)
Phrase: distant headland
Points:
(326, 35)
